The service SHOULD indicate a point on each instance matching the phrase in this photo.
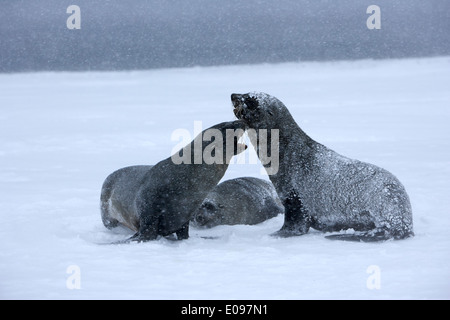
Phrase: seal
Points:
(244, 200)
(322, 189)
(161, 200)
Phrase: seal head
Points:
(259, 110)
(244, 200)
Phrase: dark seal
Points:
(320, 188)
(244, 200)
(161, 200)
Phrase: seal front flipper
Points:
(134, 237)
(297, 221)
(139, 237)
(147, 231)
(183, 233)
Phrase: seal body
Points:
(244, 200)
(160, 200)
(118, 197)
(323, 189)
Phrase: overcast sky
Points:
(141, 34)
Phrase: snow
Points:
(61, 134)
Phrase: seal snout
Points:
(200, 219)
(235, 96)
(237, 99)
(205, 215)
(238, 104)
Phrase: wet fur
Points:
(323, 189)
(245, 200)
(161, 200)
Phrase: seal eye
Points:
(251, 103)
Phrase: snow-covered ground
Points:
(61, 134)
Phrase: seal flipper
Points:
(138, 237)
(183, 233)
(296, 218)
(375, 235)
(147, 231)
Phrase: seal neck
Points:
(291, 131)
